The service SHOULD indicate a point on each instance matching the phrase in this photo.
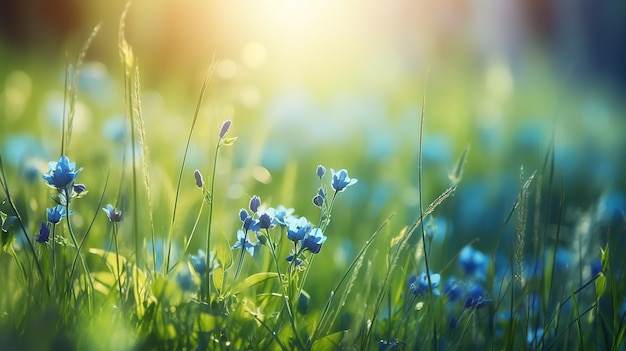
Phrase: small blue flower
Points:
(112, 213)
(199, 262)
(418, 285)
(320, 171)
(198, 177)
(297, 229)
(318, 199)
(313, 240)
(474, 262)
(61, 174)
(452, 289)
(341, 180)
(251, 224)
(476, 299)
(44, 233)
(79, 189)
(281, 214)
(266, 221)
(255, 202)
(243, 214)
(242, 241)
(56, 213)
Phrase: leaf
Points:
(600, 285)
(457, 173)
(229, 141)
(252, 281)
(224, 256)
(208, 322)
(110, 258)
(218, 279)
(329, 342)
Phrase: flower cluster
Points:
(62, 177)
(306, 236)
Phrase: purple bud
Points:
(225, 128)
(255, 202)
(199, 180)
(79, 188)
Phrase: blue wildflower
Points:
(297, 229)
(243, 214)
(266, 221)
(185, 280)
(280, 214)
(318, 200)
(320, 171)
(44, 233)
(251, 224)
(79, 189)
(112, 213)
(313, 240)
(242, 241)
(476, 299)
(534, 336)
(61, 174)
(341, 180)
(452, 289)
(255, 202)
(56, 213)
(474, 262)
(418, 285)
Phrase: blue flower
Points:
(318, 200)
(320, 171)
(62, 174)
(280, 214)
(199, 262)
(341, 180)
(452, 289)
(79, 189)
(418, 285)
(251, 224)
(266, 221)
(313, 240)
(255, 202)
(476, 297)
(112, 213)
(242, 241)
(56, 213)
(474, 262)
(44, 233)
(243, 214)
(292, 257)
(297, 229)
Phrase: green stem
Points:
(77, 246)
(210, 219)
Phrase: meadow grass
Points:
(140, 252)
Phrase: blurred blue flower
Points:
(341, 180)
(596, 267)
(114, 129)
(185, 280)
(112, 213)
(44, 233)
(313, 240)
(418, 285)
(452, 289)
(56, 213)
(291, 258)
(474, 262)
(476, 298)
(199, 262)
(242, 242)
(534, 336)
(61, 174)
(298, 228)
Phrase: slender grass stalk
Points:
(212, 195)
(182, 166)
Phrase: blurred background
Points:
(339, 83)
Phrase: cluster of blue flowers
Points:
(304, 234)
(61, 177)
